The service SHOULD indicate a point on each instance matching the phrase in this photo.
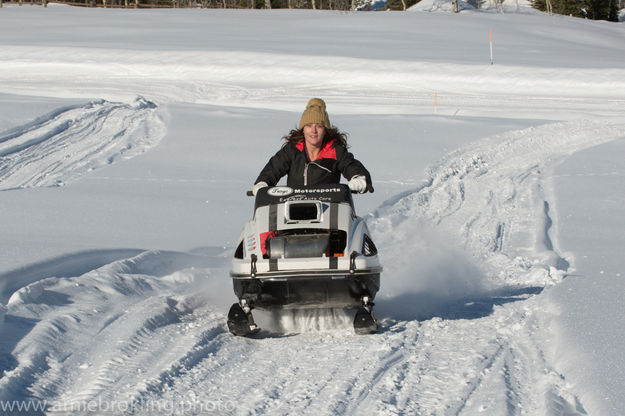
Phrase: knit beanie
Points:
(315, 113)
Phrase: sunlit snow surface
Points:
(127, 144)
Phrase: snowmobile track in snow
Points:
(71, 141)
(136, 330)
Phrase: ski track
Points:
(149, 329)
(67, 143)
(227, 78)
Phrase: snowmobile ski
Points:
(364, 322)
(241, 323)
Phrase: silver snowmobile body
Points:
(304, 248)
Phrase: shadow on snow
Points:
(424, 306)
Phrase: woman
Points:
(315, 154)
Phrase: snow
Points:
(597, 268)
(126, 148)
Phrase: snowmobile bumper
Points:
(285, 290)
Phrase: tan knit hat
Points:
(315, 113)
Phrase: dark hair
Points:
(297, 136)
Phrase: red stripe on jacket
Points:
(327, 152)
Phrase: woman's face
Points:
(314, 134)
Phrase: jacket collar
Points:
(327, 152)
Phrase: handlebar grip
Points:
(369, 189)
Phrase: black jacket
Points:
(333, 161)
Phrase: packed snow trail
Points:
(466, 256)
(229, 78)
(69, 142)
(494, 198)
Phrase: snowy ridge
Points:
(129, 293)
(69, 142)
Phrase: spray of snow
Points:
(480, 241)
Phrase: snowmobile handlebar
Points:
(369, 189)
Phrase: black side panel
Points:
(273, 226)
(334, 263)
(273, 218)
(334, 224)
(334, 216)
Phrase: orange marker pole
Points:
(491, 46)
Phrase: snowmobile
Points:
(304, 248)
